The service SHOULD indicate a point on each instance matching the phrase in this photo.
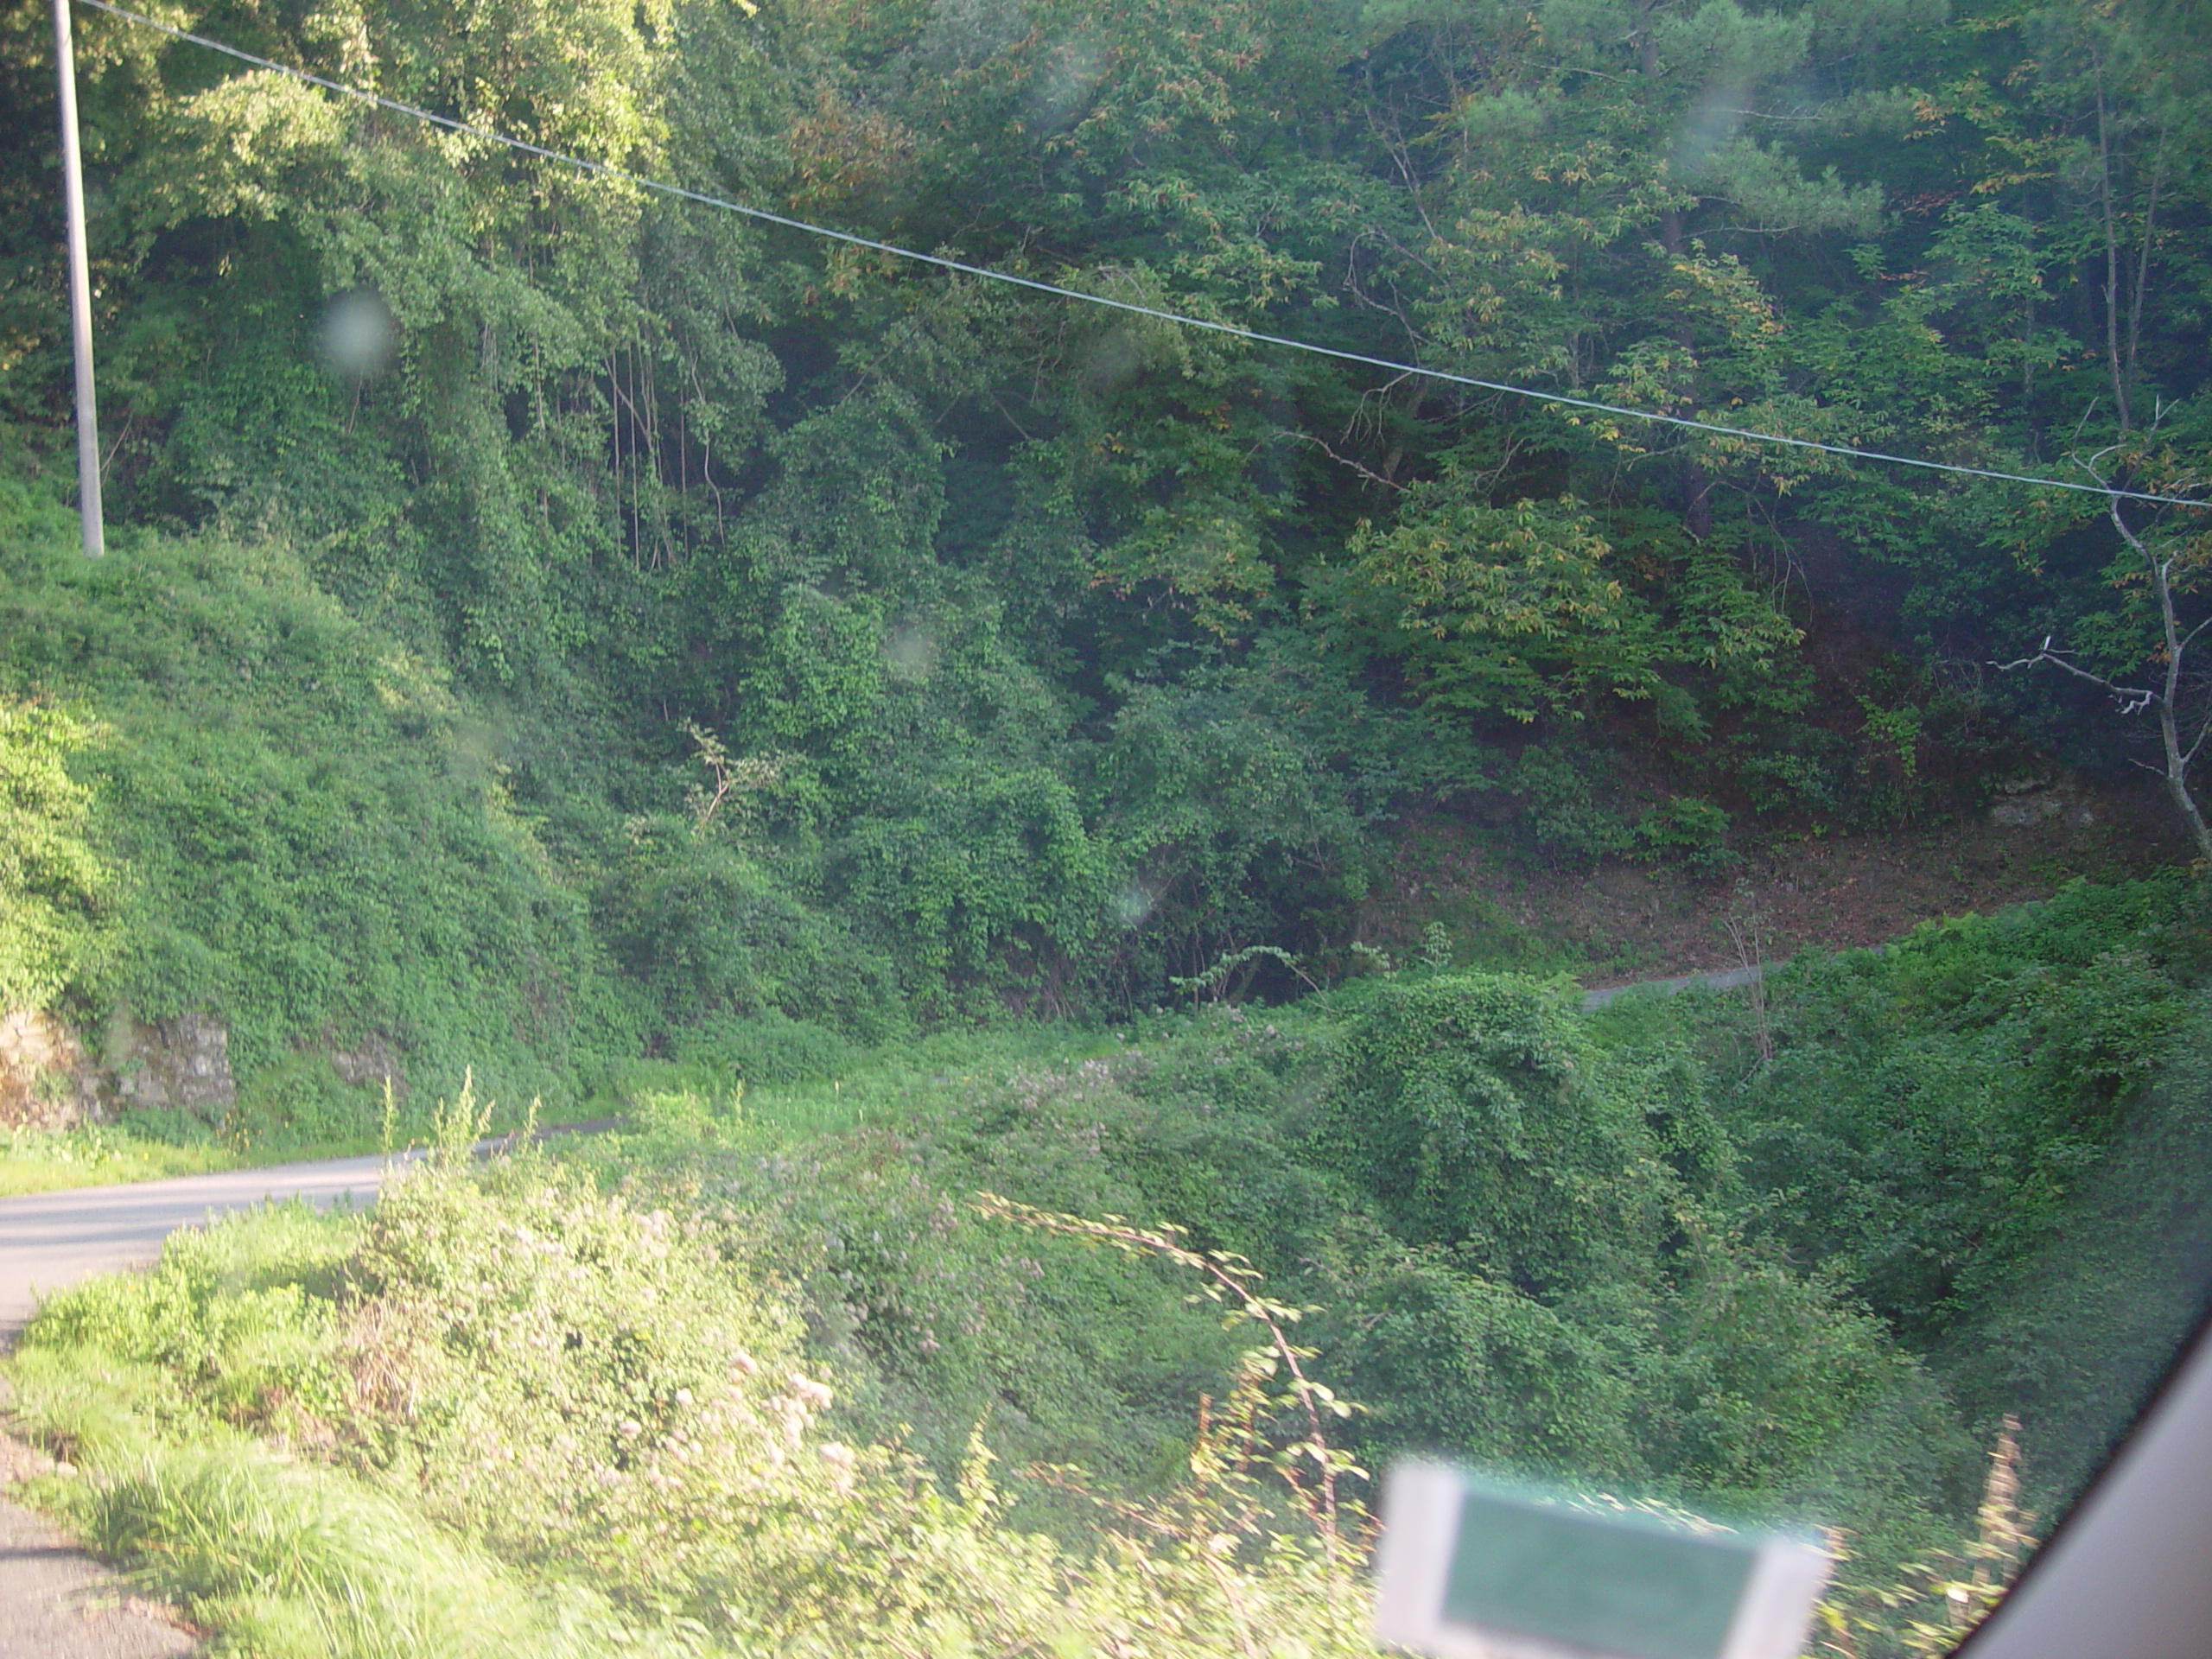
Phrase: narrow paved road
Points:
(1720, 979)
(50, 1240)
(56, 1602)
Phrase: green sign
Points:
(1471, 1570)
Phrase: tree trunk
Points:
(2177, 758)
(2112, 261)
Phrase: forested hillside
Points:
(803, 633)
(894, 736)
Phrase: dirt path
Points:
(56, 1602)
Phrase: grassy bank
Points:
(504, 1413)
(51, 1160)
(1667, 1251)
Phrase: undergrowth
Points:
(503, 1412)
(763, 1367)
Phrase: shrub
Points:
(1690, 829)
(576, 1425)
(314, 847)
(1563, 813)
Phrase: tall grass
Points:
(503, 1413)
(284, 1559)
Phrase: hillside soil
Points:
(1624, 921)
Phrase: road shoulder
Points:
(61, 1603)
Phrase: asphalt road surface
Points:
(56, 1602)
(51, 1240)
(1723, 979)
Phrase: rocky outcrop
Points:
(372, 1059)
(44, 1082)
(2028, 803)
(180, 1065)
(48, 1080)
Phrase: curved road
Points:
(56, 1602)
(50, 1240)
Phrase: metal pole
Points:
(80, 291)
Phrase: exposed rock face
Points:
(44, 1082)
(180, 1065)
(2030, 802)
(371, 1059)
(2027, 810)
(48, 1081)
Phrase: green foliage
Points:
(766, 1047)
(590, 1415)
(1935, 1105)
(995, 861)
(687, 655)
(1242, 802)
(42, 1161)
(313, 852)
(1516, 1244)
(687, 1115)
(2075, 1337)
(1525, 614)
(298, 1103)
(1988, 1132)
(1554, 1244)
(1082, 650)
(1689, 828)
(711, 937)
(54, 891)
(292, 1563)
(1466, 1122)
(1566, 820)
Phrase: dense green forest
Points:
(812, 635)
(894, 736)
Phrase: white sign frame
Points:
(1421, 1507)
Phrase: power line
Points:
(1179, 319)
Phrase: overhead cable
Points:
(1179, 319)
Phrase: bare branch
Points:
(2202, 732)
(1370, 475)
(2134, 699)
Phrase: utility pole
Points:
(80, 291)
